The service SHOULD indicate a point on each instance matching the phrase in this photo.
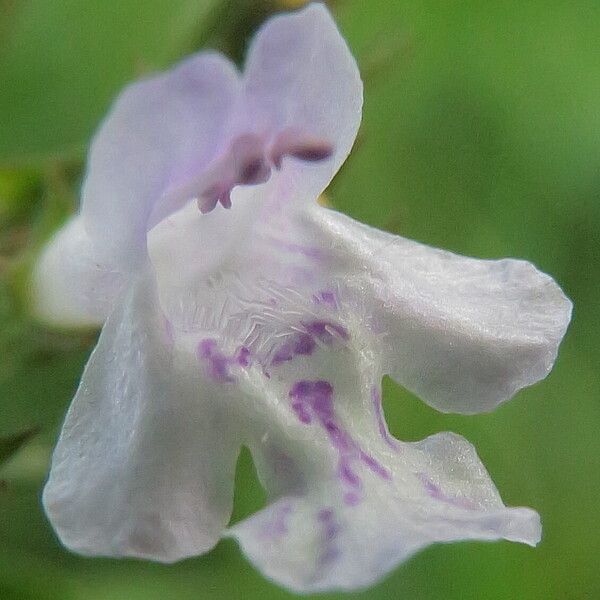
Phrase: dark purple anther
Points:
(299, 144)
(253, 171)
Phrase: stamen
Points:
(243, 164)
(299, 144)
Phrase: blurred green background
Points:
(481, 134)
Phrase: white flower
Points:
(271, 325)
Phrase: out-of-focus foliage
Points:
(481, 134)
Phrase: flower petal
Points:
(160, 132)
(464, 334)
(300, 75)
(72, 285)
(145, 462)
(344, 514)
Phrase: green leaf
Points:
(11, 443)
(62, 62)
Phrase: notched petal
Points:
(316, 539)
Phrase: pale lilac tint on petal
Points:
(300, 75)
(349, 517)
(359, 502)
(145, 462)
(72, 285)
(160, 133)
(271, 324)
(463, 334)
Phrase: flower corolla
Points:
(237, 311)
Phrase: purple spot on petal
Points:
(351, 498)
(206, 347)
(383, 430)
(304, 344)
(300, 344)
(243, 357)
(325, 514)
(374, 465)
(339, 438)
(435, 492)
(277, 525)
(311, 252)
(301, 412)
(326, 331)
(328, 298)
(347, 475)
(314, 399)
(301, 389)
(217, 363)
(329, 532)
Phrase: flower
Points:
(237, 311)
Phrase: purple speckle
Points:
(300, 344)
(216, 362)
(329, 532)
(383, 430)
(435, 492)
(326, 331)
(277, 525)
(301, 412)
(351, 499)
(314, 400)
(243, 357)
(315, 395)
(327, 298)
(325, 514)
(375, 466)
(347, 475)
(304, 344)
(339, 438)
(301, 389)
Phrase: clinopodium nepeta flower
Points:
(237, 311)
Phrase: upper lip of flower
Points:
(271, 325)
